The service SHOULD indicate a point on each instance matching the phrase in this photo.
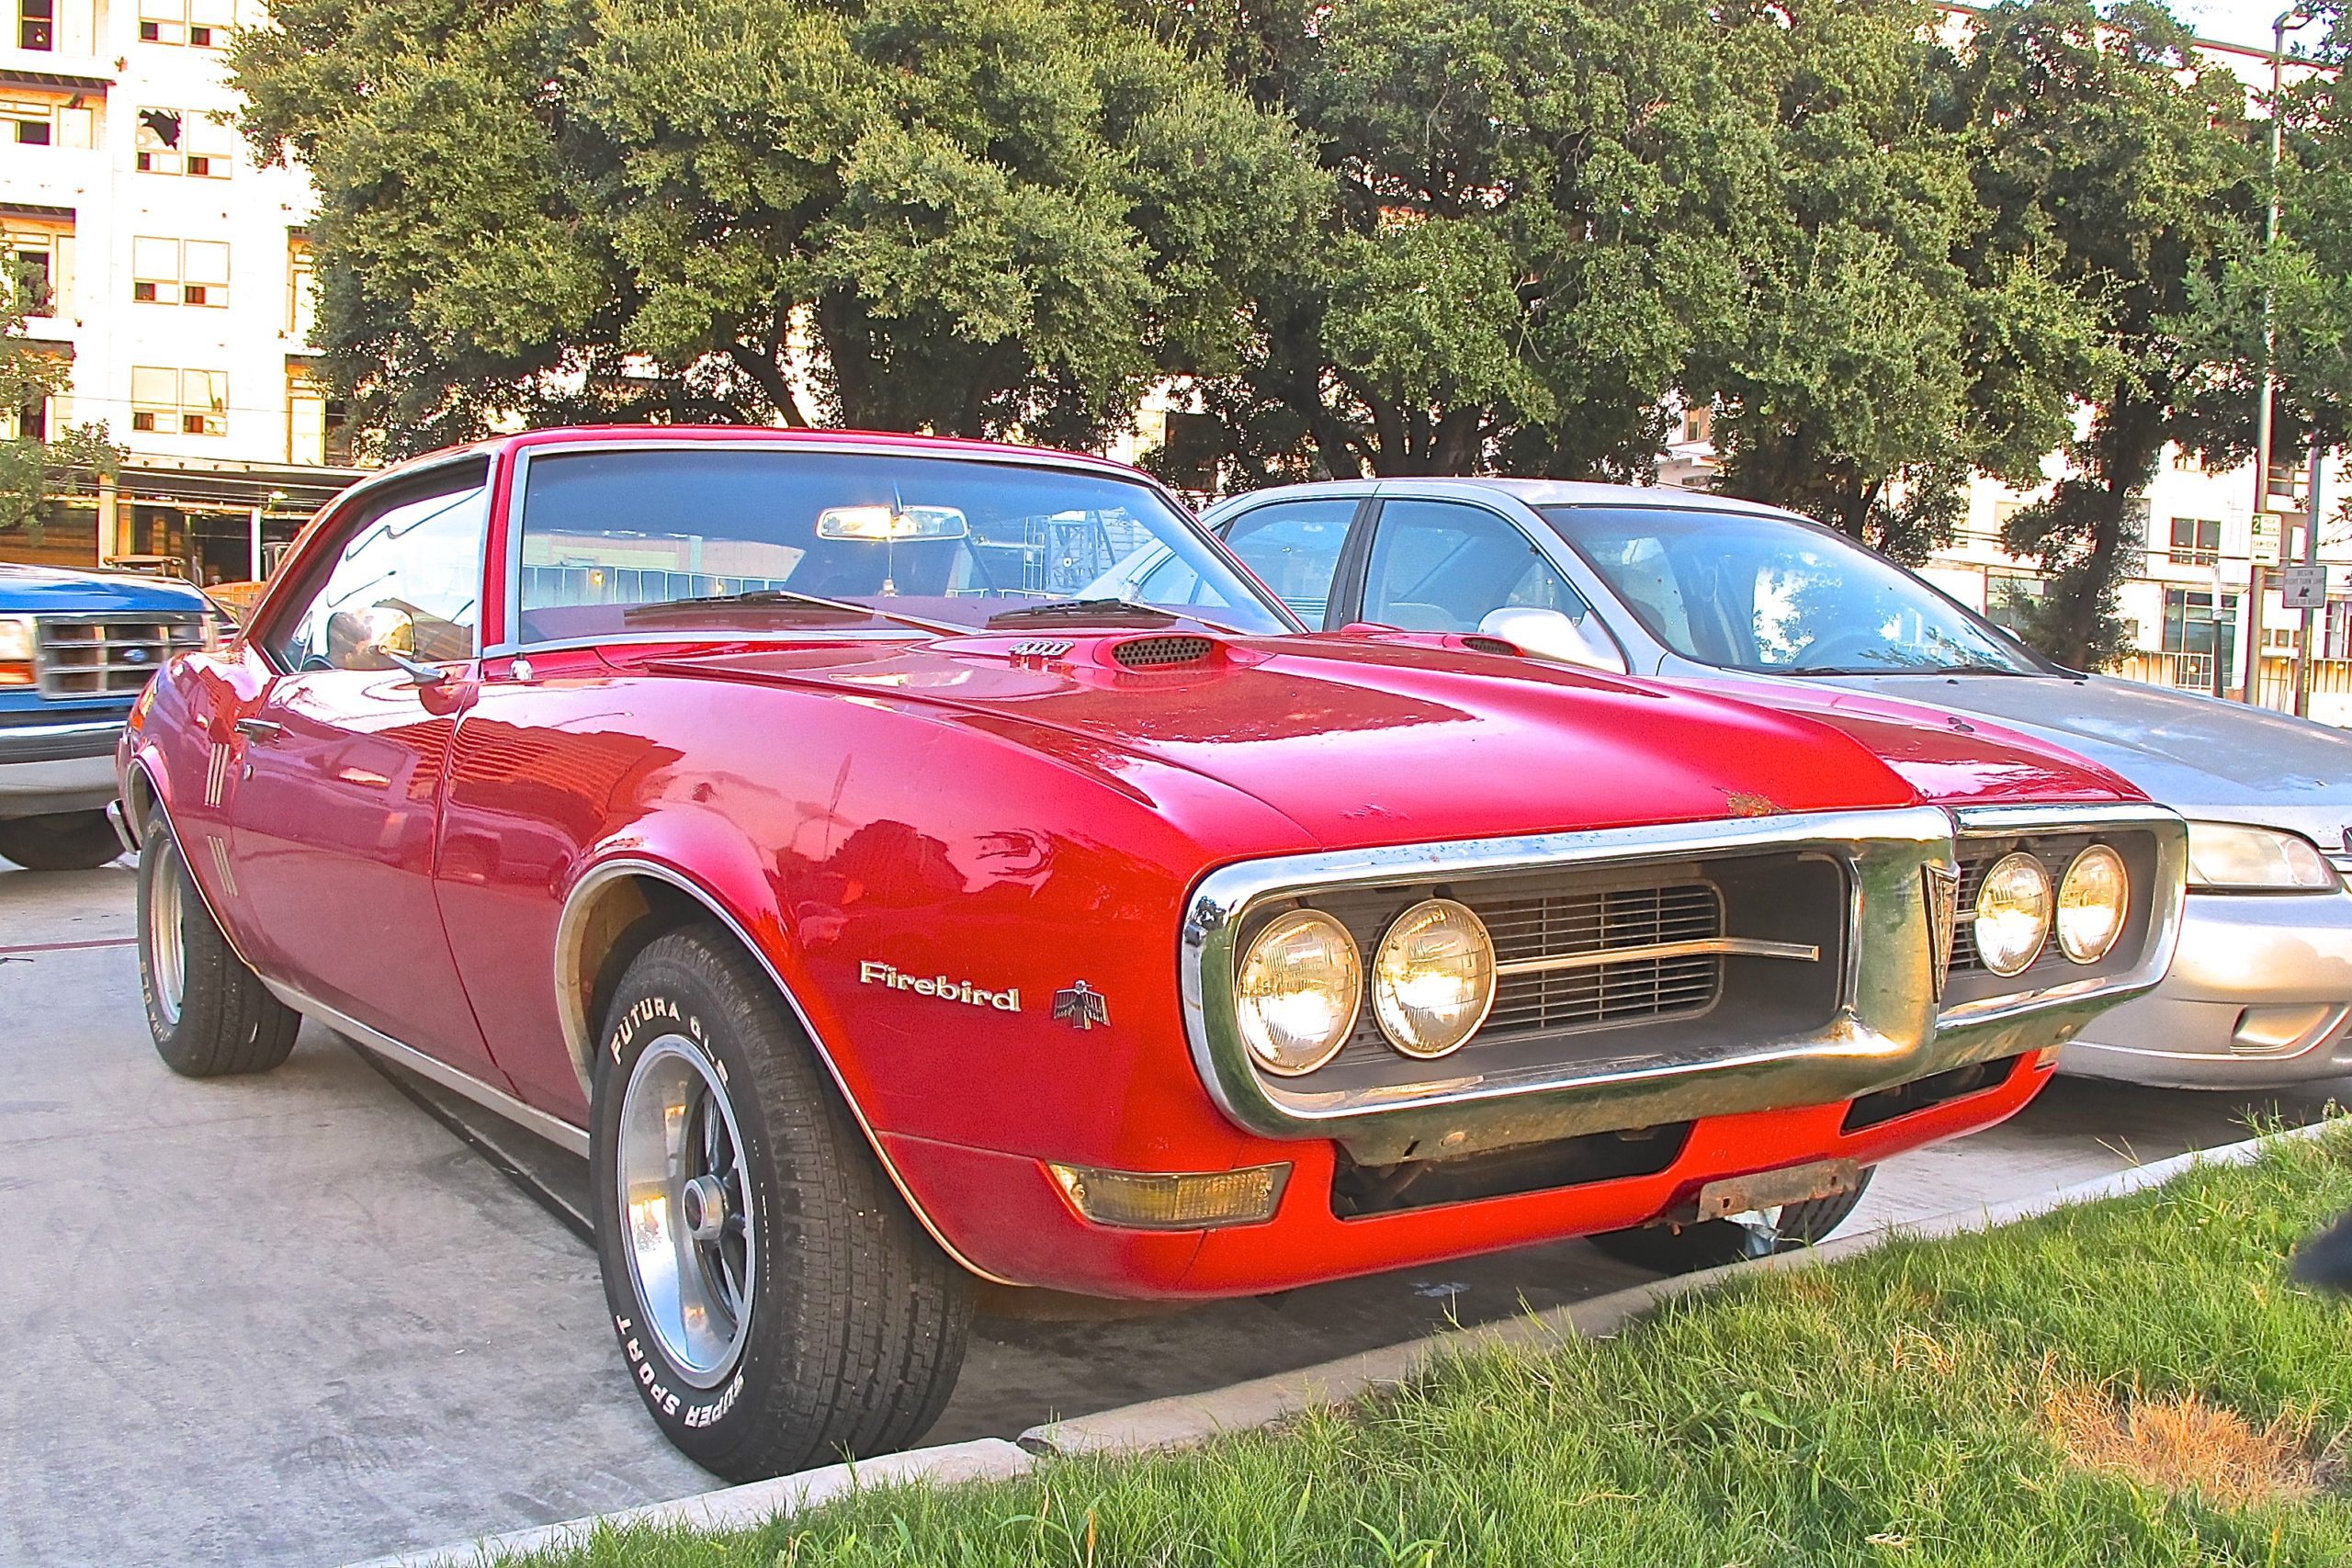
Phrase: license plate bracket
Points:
(1772, 1189)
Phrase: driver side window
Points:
(408, 581)
(1441, 567)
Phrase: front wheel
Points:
(64, 840)
(777, 1304)
(1714, 1242)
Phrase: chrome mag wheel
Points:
(167, 936)
(684, 1215)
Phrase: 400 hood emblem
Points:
(872, 972)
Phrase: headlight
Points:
(2012, 913)
(2230, 855)
(2091, 902)
(1297, 997)
(1433, 979)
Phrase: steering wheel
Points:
(1862, 640)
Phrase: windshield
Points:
(1768, 595)
(700, 538)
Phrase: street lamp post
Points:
(2287, 22)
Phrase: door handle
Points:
(260, 728)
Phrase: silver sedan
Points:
(1671, 584)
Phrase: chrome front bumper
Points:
(1887, 1032)
(2259, 995)
(63, 766)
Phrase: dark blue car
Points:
(76, 649)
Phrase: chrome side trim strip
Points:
(530, 1118)
(575, 1020)
(227, 933)
(1698, 947)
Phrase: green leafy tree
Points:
(32, 469)
(980, 217)
(1881, 351)
(2111, 153)
(1525, 235)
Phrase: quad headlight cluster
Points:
(1300, 987)
(2018, 911)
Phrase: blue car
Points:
(76, 648)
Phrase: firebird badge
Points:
(946, 988)
(1082, 1007)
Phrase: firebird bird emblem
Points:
(1943, 918)
(1082, 1007)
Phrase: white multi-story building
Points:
(174, 276)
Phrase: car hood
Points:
(1359, 743)
(2203, 757)
(44, 591)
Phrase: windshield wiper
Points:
(789, 596)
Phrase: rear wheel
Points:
(211, 1017)
(64, 840)
(777, 1305)
(1713, 1242)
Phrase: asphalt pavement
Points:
(322, 1314)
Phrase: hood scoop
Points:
(1162, 652)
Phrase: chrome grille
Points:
(111, 655)
(1561, 924)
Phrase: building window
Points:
(2010, 596)
(1698, 424)
(37, 263)
(37, 24)
(2190, 626)
(318, 431)
(302, 289)
(200, 24)
(2196, 541)
(2336, 634)
(63, 121)
(180, 402)
(179, 271)
(173, 143)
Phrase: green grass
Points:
(1893, 1408)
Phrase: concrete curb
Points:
(1193, 1419)
(738, 1507)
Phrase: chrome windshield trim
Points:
(2169, 900)
(1700, 947)
(518, 489)
(1884, 1033)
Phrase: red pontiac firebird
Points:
(786, 823)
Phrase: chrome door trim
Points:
(575, 1021)
(530, 1118)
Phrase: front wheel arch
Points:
(624, 904)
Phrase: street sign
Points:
(2302, 587)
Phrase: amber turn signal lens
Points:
(1159, 1200)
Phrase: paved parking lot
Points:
(298, 1319)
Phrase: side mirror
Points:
(1547, 634)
